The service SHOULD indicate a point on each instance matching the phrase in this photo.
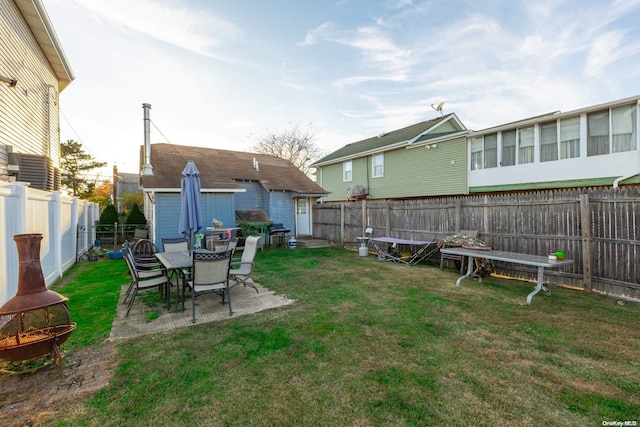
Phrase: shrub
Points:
(109, 215)
(135, 216)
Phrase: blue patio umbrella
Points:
(190, 215)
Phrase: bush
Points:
(253, 228)
(109, 215)
(135, 216)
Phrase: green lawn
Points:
(369, 343)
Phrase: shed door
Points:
(303, 217)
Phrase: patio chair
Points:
(142, 262)
(139, 233)
(244, 268)
(175, 244)
(210, 274)
(233, 244)
(143, 249)
(145, 270)
(142, 280)
(458, 259)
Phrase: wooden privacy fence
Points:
(598, 228)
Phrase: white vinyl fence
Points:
(67, 224)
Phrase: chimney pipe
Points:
(147, 169)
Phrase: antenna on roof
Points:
(439, 107)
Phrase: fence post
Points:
(342, 224)
(585, 226)
(56, 230)
(458, 215)
(387, 211)
(364, 216)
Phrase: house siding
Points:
(412, 172)
(602, 169)
(29, 116)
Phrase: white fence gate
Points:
(67, 224)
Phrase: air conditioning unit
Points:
(13, 167)
(35, 169)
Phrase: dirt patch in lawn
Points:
(30, 398)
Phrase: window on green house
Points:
(347, 168)
(378, 166)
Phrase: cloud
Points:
(198, 31)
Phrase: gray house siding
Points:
(216, 205)
(281, 209)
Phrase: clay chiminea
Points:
(36, 320)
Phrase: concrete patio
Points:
(244, 300)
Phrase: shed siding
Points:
(255, 197)
(281, 209)
(29, 115)
(219, 206)
(214, 205)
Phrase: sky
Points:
(221, 73)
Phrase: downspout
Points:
(147, 169)
(622, 178)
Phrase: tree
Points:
(101, 194)
(135, 216)
(109, 215)
(75, 164)
(294, 143)
(127, 200)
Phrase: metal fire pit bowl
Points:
(34, 333)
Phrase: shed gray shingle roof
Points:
(222, 169)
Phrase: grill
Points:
(279, 231)
(36, 321)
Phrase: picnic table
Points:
(541, 262)
(387, 248)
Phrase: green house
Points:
(425, 159)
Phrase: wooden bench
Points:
(541, 262)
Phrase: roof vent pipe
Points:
(147, 169)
